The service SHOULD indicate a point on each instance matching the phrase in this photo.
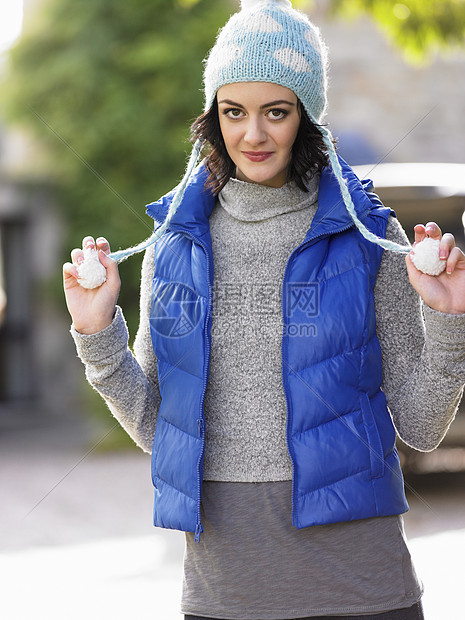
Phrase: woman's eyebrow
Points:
(277, 102)
(262, 107)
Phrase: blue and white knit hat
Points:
(269, 41)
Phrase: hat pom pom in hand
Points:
(92, 273)
(426, 257)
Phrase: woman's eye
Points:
(277, 114)
(233, 113)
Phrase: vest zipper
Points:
(201, 419)
(284, 364)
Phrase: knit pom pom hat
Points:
(269, 41)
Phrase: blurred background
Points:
(96, 99)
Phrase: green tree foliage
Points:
(417, 27)
(110, 87)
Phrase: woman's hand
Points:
(91, 309)
(445, 292)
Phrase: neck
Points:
(253, 202)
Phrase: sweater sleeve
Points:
(423, 353)
(128, 382)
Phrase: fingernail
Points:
(80, 260)
(442, 254)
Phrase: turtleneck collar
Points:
(251, 202)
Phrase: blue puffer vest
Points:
(341, 439)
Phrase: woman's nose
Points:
(255, 133)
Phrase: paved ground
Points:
(77, 541)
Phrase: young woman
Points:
(279, 348)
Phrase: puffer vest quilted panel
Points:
(340, 435)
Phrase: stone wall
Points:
(376, 93)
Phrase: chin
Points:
(262, 177)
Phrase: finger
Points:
(420, 232)
(456, 260)
(88, 243)
(102, 244)
(110, 265)
(433, 230)
(77, 256)
(446, 245)
(70, 271)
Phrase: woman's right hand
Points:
(91, 309)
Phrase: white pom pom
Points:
(91, 272)
(250, 4)
(426, 257)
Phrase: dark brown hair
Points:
(309, 151)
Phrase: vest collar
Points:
(331, 216)
(194, 210)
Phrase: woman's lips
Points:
(257, 155)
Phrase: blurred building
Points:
(381, 107)
(34, 370)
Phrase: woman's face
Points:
(259, 122)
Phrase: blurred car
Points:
(419, 193)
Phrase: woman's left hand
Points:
(445, 292)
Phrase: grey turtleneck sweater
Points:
(252, 239)
(250, 562)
